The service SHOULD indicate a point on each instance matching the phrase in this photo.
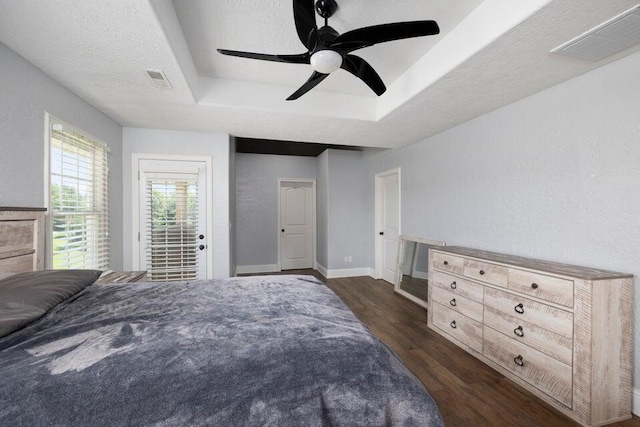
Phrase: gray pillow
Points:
(28, 296)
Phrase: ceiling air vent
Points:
(611, 37)
(159, 79)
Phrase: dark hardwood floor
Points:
(468, 392)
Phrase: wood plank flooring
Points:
(468, 392)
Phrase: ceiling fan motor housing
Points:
(326, 35)
(324, 59)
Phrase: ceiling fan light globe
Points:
(326, 61)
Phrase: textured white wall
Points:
(554, 176)
(25, 94)
(257, 203)
(136, 140)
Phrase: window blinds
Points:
(78, 200)
(172, 227)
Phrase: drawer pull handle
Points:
(519, 308)
(518, 360)
(453, 302)
(534, 285)
(482, 272)
(518, 331)
(453, 324)
(453, 285)
(446, 263)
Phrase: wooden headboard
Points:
(21, 240)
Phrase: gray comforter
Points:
(278, 350)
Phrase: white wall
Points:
(26, 93)
(257, 204)
(554, 176)
(136, 140)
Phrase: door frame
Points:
(135, 200)
(379, 262)
(313, 219)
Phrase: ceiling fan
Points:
(327, 50)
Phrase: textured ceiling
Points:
(496, 54)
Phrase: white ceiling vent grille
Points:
(611, 37)
(159, 79)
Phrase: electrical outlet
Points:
(349, 259)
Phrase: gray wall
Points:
(26, 93)
(136, 140)
(232, 206)
(554, 176)
(322, 210)
(257, 203)
(348, 209)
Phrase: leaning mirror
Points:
(412, 271)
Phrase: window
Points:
(78, 199)
(172, 227)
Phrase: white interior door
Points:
(388, 201)
(296, 224)
(173, 217)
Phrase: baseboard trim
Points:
(252, 269)
(344, 272)
(321, 269)
(636, 402)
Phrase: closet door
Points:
(296, 224)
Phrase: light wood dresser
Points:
(21, 240)
(562, 332)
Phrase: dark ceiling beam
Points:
(286, 148)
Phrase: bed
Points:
(271, 350)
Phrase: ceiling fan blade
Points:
(305, 18)
(369, 36)
(302, 58)
(313, 39)
(313, 81)
(365, 72)
(349, 46)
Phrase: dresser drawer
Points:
(17, 264)
(460, 327)
(543, 372)
(548, 288)
(549, 343)
(487, 272)
(541, 315)
(458, 286)
(457, 303)
(447, 262)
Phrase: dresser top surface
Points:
(584, 273)
(21, 209)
